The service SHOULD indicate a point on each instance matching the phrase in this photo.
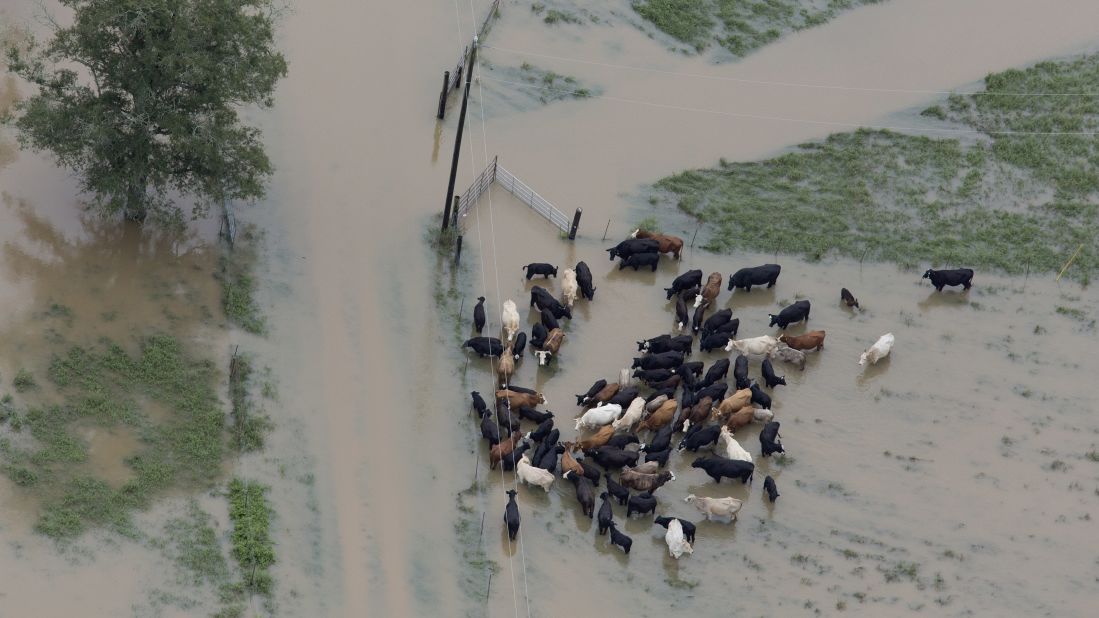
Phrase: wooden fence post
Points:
(575, 223)
(454, 212)
(458, 251)
(442, 95)
(606, 229)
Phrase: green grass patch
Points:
(1008, 203)
(740, 26)
(192, 544)
(106, 386)
(553, 16)
(236, 273)
(23, 381)
(251, 541)
(548, 86)
(249, 426)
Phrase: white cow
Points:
(756, 345)
(762, 415)
(727, 446)
(677, 542)
(533, 476)
(878, 351)
(569, 287)
(511, 319)
(599, 416)
(632, 415)
(719, 509)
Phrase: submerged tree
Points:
(141, 99)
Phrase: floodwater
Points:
(963, 454)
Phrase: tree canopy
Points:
(141, 99)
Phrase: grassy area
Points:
(251, 541)
(249, 426)
(238, 283)
(1004, 201)
(108, 387)
(739, 26)
(548, 86)
(192, 544)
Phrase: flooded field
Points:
(954, 478)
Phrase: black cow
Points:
(686, 281)
(616, 489)
(620, 440)
(549, 458)
(511, 515)
(508, 461)
(606, 513)
(534, 415)
(769, 375)
(745, 278)
(693, 368)
(760, 397)
(490, 429)
(958, 276)
(652, 375)
(591, 472)
(548, 320)
(538, 334)
(660, 457)
(769, 439)
(771, 489)
(584, 281)
(699, 436)
(849, 299)
(519, 345)
(688, 527)
(715, 391)
(624, 396)
(664, 360)
(585, 492)
(479, 315)
(740, 372)
(718, 467)
(541, 298)
(645, 344)
(478, 402)
(697, 319)
(540, 268)
(690, 293)
(661, 441)
(515, 388)
(485, 346)
(668, 386)
(682, 318)
(641, 503)
(633, 246)
(717, 371)
(543, 430)
(619, 539)
(715, 320)
(791, 315)
(506, 419)
(713, 342)
(731, 327)
(638, 260)
(679, 343)
(610, 457)
(595, 388)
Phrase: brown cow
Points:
(550, 346)
(668, 243)
(597, 439)
(568, 462)
(808, 341)
(740, 418)
(644, 482)
(710, 290)
(699, 412)
(663, 415)
(503, 449)
(506, 366)
(732, 403)
(604, 395)
(520, 400)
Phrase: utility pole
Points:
(458, 135)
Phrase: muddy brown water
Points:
(975, 408)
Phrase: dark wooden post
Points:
(457, 201)
(575, 223)
(458, 135)
(458, 251)
(442, 95)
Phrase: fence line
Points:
(497, 173)
(481, 32)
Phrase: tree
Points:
(141, 99)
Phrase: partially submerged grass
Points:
(236, 272)
(740, 26)
(548, 86)
(554, 16)
(192, 544)
(251, 541)
(107, 387)
(249, 426)
(1012, 203)
(23, 380)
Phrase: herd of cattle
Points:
(662, 394)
